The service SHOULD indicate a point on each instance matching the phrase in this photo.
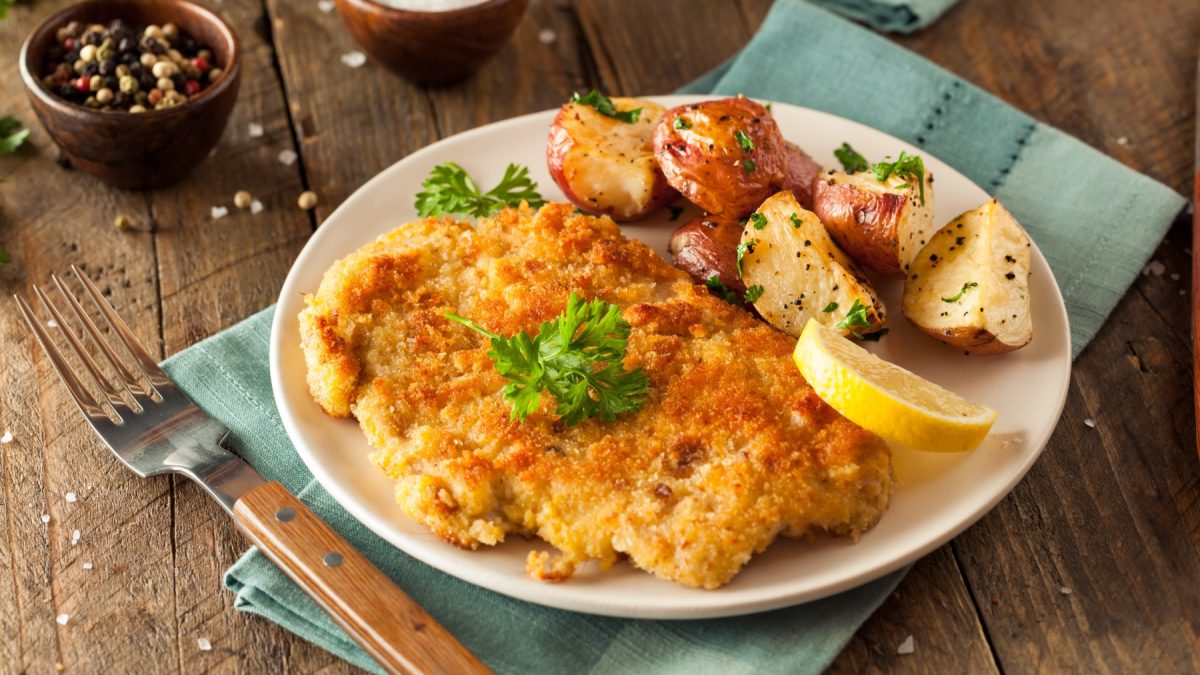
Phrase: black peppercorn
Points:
(71, 56)
(146, 81)
(107, 67)
(91, 69)
(112, 82)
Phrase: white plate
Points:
(937, 496)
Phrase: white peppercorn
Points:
(147, 59)
(137, 108)
(88, 53)
(307, 200)
(163, 69)
(105, 95)
(242, 199)
(166, 84)
(153, 31)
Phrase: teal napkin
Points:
(895, 16)
(1095, 220)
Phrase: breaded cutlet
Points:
(730, 449)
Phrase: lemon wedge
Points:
(886, 399)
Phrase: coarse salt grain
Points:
(45, 518)
(325, 6)
(52, 324)
(70, 497)
(62, 619)
(1174, 276)
(1090, 423)
(1064, 590)
(74, 537)
(1154, 267)
(905, 647)
(354, 59)
(7, 437)
(256, 207)
(87, 565)
(287, 157)
(203, 644)
(547, 36)
(254, 129)
(1123, 140)
(219, 212)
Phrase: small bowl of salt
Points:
(432, 42)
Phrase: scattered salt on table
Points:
(287, 157)
(354, 59)
(1154, 267)
(256, 207)
(7, 437)
(1064, 590)
(74, 537)
(547, 36)
(87, 565)
(1123, 140)
(70, 497)
(905, 647)
(1174, 276)
(1090, 423)
(45, 518)
(219, 212)
(254, 129)
(203, 644)
(62, 619)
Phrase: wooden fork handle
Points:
(390, 626)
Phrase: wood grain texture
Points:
(400, 635)
(1111, 513)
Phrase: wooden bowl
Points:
(432, 48)
(136, 150)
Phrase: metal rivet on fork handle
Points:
(332, 559)
(286, 514)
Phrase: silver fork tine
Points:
(147, 365)
(83, 399)
(110, 392)
(133, 384)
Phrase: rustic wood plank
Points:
(937, 613)
(124, 605)
(214, 273)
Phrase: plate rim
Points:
(485, 578)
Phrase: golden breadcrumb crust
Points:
(730, 449)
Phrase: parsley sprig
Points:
(577, 358)
(12, 134)
(855, 318)
(742, 249)
(449, 189)
(965, 287)
(722, 291)
(604, 106)
(851, 161)
(911, 166)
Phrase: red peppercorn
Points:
(201, 64)
(69, 43)
(84, 84)
(154, 96)
(191, 87)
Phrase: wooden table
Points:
(1093, 562)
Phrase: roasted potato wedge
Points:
(969, 287)
(882, 225)
(802, 274)
(706, 247)
(802, 172)
(606, 166)
(726, 155)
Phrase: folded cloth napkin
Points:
(1096, 229)
(894, 16)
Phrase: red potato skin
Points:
(559, 146)
(859, 221)
(704, 162)
(707, 246)
(802, 172)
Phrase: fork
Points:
(153, 428)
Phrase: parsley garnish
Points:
(742, 249)
(965, 287)
(851, 161)
(749, 166)
(604, 106)
(758, 220)
(796, 222)
(854, 319)
(449, 189)
(743, 140)
(577, 358)
(12, 134)
(830, 307)
(911, 166)
(715, 285)
(4, 257)
(754, 293)
(768, 106)
(681, 123)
